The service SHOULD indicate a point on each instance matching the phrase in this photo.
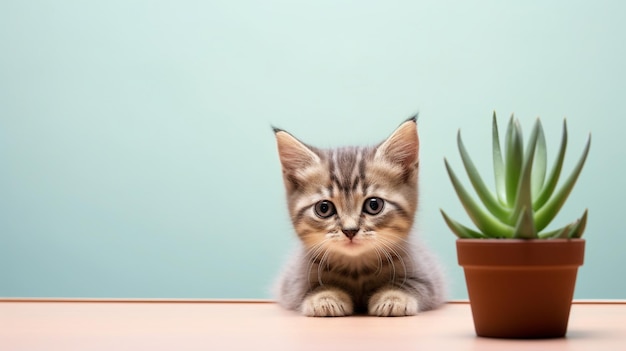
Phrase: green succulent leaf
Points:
(523, 196)
(498, 164)
(546, 214)
(460, 230)
(579, 227)
(560, 233)
(513, 159)
(573, 230)
(541, 163)
(525, 228)
(483, 220)
(553, 178)
(486, 196)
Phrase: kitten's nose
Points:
(350, 233)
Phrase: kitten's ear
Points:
(402, 146)
(294, 155)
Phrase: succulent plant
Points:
(526, 198)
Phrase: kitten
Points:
(353, 210)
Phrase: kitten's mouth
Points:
(353, 246)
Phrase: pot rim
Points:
(511, 240)
(520, 252)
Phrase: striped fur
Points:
(356, 260)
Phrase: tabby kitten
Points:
(353, 210)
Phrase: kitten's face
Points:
(352, 201)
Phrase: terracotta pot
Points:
(520, 288)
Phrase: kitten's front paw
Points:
(392, 303)
(327, 303)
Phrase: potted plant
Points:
(520, 277)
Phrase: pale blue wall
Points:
(137, 159)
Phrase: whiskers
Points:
(394, 251)
(384, 256)
(317, 254)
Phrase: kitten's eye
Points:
(373, 205)
(325, 209)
